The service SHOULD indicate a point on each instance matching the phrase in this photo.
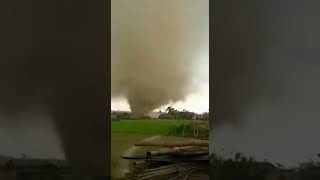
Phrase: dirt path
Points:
(123, 165)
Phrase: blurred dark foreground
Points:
(38, 169)
(241, 167)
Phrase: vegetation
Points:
(241, 167)
(147, 127)
(125, 133)
(191, 129)
(172, 113)
(127, 129)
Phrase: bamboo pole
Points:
(177, 150)
(201, 143)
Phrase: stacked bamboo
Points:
(180, 151)
(178, 148)
(173, 160)
(197, 142)
(166, 172)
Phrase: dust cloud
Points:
(154, 47)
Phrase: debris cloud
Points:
(154, 46)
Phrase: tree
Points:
(170, 109)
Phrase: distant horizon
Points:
(155, 111)
(162, 109)
(121, 104)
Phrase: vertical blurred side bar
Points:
(211, 82)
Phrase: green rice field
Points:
(125, 133)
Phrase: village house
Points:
(155, 114)
(116, 115)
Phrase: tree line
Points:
(172, 113)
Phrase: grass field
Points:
(148, 127)
(125, 133)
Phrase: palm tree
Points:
(170, 109)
